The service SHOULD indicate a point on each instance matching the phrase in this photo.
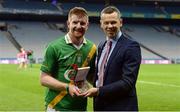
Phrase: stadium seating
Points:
(164, 43)
(36, 35)
(172, 10)
(7, 50)
(31, 35)
(163, 40)
(28, 5)
(29, 8)
(91, 8)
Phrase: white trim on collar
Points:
(69, 41)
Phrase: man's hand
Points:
(73, 90)
(91, 92)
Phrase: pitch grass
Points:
(158, 88)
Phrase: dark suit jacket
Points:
(118, 91)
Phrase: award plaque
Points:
(80, 79)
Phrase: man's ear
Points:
(87, 25)
(101, 24)
(121, 22)
(67, 22)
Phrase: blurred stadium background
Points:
(32, 24)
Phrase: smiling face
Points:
(77, 25)
(111, 24)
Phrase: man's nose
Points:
(79, 25)
(110, 25)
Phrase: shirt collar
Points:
(69, 41)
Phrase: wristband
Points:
(67, 87)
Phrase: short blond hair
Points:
(78, 11)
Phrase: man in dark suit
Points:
(117, 67)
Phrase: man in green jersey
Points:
(62, 58)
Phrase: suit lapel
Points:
(113, 54)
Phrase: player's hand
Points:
(73, 90)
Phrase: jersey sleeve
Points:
(49, 62)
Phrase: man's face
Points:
(111, 24)
(77, 24)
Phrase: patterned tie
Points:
(103, 64)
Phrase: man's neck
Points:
(76, 40)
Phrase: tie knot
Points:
(109, 43)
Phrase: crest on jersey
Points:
(71, 73)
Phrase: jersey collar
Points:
(69, 41)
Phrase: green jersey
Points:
(60, 56)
